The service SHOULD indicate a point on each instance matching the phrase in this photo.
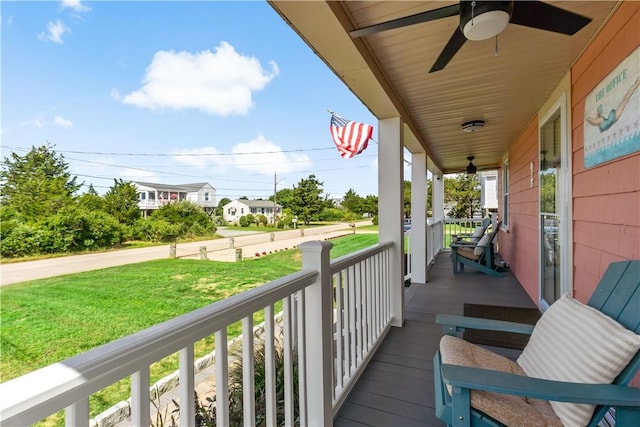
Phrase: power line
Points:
(184, 154)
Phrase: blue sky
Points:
(176, 92)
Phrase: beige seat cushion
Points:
(467, 252)
(509, 410)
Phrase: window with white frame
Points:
(505, 194)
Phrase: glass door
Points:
(552, 218)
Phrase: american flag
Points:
(351, 138)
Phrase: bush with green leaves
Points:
(157, 230)
(244, 221)
(18, 240)
(71, 229)
(261, 220)
(190, 218)
(75, 229)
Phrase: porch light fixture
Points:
(471, 168)
(472, 125)
(483, 20)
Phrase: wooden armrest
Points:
(454, 324)
(464, 245)
(558, 391)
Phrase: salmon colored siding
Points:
(606, 198)
(519, 245)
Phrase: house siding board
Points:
(606, 198)
(519, 246)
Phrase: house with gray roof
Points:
(232, 211)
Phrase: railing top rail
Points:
(345, 261)
(61, 384)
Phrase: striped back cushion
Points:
(576, 343)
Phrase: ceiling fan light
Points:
(472, 126)
(486, 25)
(471, 168)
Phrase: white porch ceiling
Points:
(388, 72)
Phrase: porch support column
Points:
(437, 202)
(390, 208)
(418, 217)
(437, 197)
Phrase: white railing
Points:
(334, 317)
(457, 226)
(434, 237)
(435, 240)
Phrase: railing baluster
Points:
(352, 319)
(77, 414)
(270, 366)
(288, 362)
(339, 313)
(359, 316)
(378, 318)
(222, 379)
(187, 387)
(368, 264)
(302, 348)
(347, 328)
(140, 402)
(248, 373)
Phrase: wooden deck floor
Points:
(396, 389)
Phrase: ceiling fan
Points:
(480, 20)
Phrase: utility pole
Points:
(275, 184)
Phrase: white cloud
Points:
(220, 82)
(257, 156)
(74, 5)
(115, 94)
(62, 122)
(37, 122)
(55, 31)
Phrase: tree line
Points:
(41, 212)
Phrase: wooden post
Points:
(172, 251)
(273, 237)
(231, 243)
(318, 334)
(203, 253)
(238, 254)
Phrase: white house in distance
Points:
(152, 196)
(232, 211)
(489, 192)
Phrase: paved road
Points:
(219, 250)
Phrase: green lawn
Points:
(48, 320)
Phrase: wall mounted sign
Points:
(612, 114)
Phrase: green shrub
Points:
(159, 230)
(244, 221)
(18, 241)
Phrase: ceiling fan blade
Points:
(544, 16)
(453, 46)
(430, 15)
